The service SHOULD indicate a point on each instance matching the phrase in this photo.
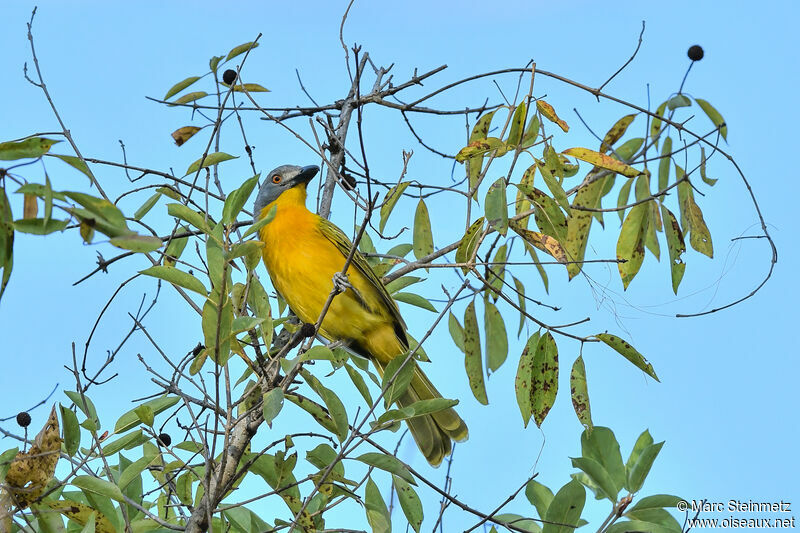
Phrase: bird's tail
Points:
(432, 433)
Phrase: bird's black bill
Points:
(306, 174)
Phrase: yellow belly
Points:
(302, 262)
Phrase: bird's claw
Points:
(341, 283)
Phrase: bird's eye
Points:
(276, 178)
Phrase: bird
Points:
(303, 254)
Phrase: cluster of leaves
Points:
(563, 217)
(119, 496)
(241, 332)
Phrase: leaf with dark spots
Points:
(675, 246)
(544, 378)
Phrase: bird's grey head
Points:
(279, 180)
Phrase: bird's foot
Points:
(341, 283)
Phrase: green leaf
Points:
(601, 445)
(130, 419)
(72, 432)
(599, 476)
(146, 206)
(409, 502)
(266, 219)
(133, 471)
(414, 299)
(518, 521)
(242, 48)
(622, 199)
(664, 164)
(706, 179)
(629, 353)
(550, 172)
(236, 200)
(456, 331)
(6, 240)
(565, 510)
(496, 336)
(580, 392)
(520, 289)
(181, 85)
(469, 242)
(176, 277)
(630, 245)
(531, 132)
(655, 127)
(145, 414)
(389, 463)
(6, 459)
(495, 206)
(359, 383)
(644, 440)
(335, 407)
(29, 148)
(472, 354)
(210, 160)
(679, 100)
(397, 376)
(675, 246)
(37, 226)
(544, 378)
(137, 243)
(272, 405)
(214, 62)
(523, 381)
(627, 526)
(377, 514)
(188, 98)
(215, 258)
(217, 330)
(401, 283)
(641, 468)
(315, 410)
(76, 163)
(714, 116)
(107, 217)
(656, 501)
(517, 123)
(423, 238)
(394, 194)
(98, 486)
(539, 496)
(188, 215)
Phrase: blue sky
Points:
(726, 404)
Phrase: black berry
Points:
(308, 330)
(229, 76)
(164, 439)
(695, 52)
(24, 419)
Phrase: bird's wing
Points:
(343, 244)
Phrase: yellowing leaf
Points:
(188, 98)
(675, 246)
(468, 243)
(630, 245)
(602, 161)
(31, 471)
(550, 114)
(181, 135)
(242, 48)
(423, 238)
(250, 88)
(472, 354)
(30, 206)
(480, 147)
(714, 115)
(616, 132)
(580, 392)
(29, 148)
(543, 242)
(211, 159)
